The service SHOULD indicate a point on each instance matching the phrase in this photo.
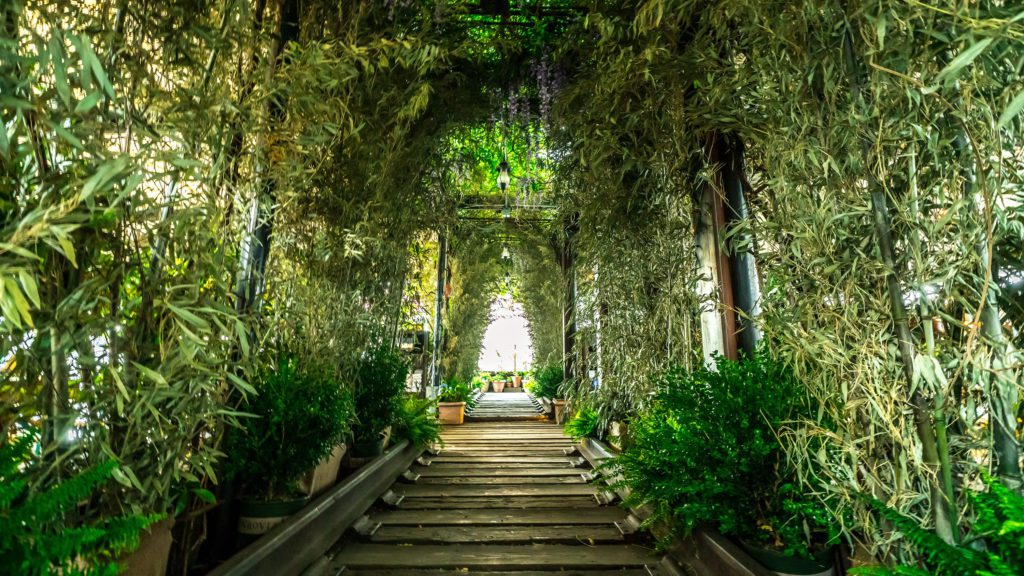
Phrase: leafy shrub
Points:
(417, 421)
(706, 453)
(35, 536)
(547, 380)
(380, 383)
(301, 414)
(455, 390)
(586, 423)
(997, 531)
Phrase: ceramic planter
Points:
(451, 412)
(150, 558)
(256, 518)
(820, 565)
(498, 386)
(559, 411)
(325, 474)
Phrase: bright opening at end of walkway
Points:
(507, 345)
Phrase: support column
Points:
(746, 289)
(567, 263)
(435, 356)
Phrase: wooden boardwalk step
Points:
(503, 481)
(494, 556)
(485, 491)
(504, 472)
(497, 534)
(416, 572)
(535, 517)
(503, 502)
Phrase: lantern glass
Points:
(504, 178)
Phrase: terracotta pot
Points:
(559, 411)
(517, 381)
(325, 474)
(256, 518)
(451, 412)
(498, 386)
(150, 558)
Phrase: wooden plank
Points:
(442, 572)
(604, 515)
(499, 503)
(478, 491)
(562, 460)
(503, 481)
(493, 556)
(497, 452)
(512, 471)
(497, 534)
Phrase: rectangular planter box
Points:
(451, 412)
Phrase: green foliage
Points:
(417, 421)
(706, 451)
(380, 382)
(547, 381)
(300, 413)
(994, 546)
(584, 424)
(455, 390)
(38, 533)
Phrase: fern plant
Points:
(586, 423)
(36, 537)
(417, 421)
(994, 547)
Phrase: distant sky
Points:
(507, 335)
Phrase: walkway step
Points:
(415, 572)
(494, 556)
(478, 491)
(458, 517)
(549, 460)
(504, 502)
(577, 479)
(505, 472)
(497, 534)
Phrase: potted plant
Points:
(452, 401)
(517, 380)
(499, 382)
(416, 421)
(380, 383)
(547, 384)
(300, 414)
(325, 474)
(706, 453)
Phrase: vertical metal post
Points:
(568, 257)
(435, 357)
(746, 291)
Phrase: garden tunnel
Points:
(782, 245)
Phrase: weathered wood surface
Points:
(497, 534)
(494, 556)
(503, 499)
(503, 472)
(504, 407)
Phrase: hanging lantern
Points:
(503, 176)
(505, 255)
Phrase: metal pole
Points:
(435, 358)
(745, 286)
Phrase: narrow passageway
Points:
(497, 406)
(499, 496)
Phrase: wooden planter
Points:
(150, 558)
(325, 474)
(451, 412)
(559, 411)
(498, 386)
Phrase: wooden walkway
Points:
(504, 406)
(500, 498)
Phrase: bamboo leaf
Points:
(28, 284)
(189, 317)
(962, 60)
(60, 73)
(1012, 109)
(14, 292)
(88, 103)
(150, 373)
